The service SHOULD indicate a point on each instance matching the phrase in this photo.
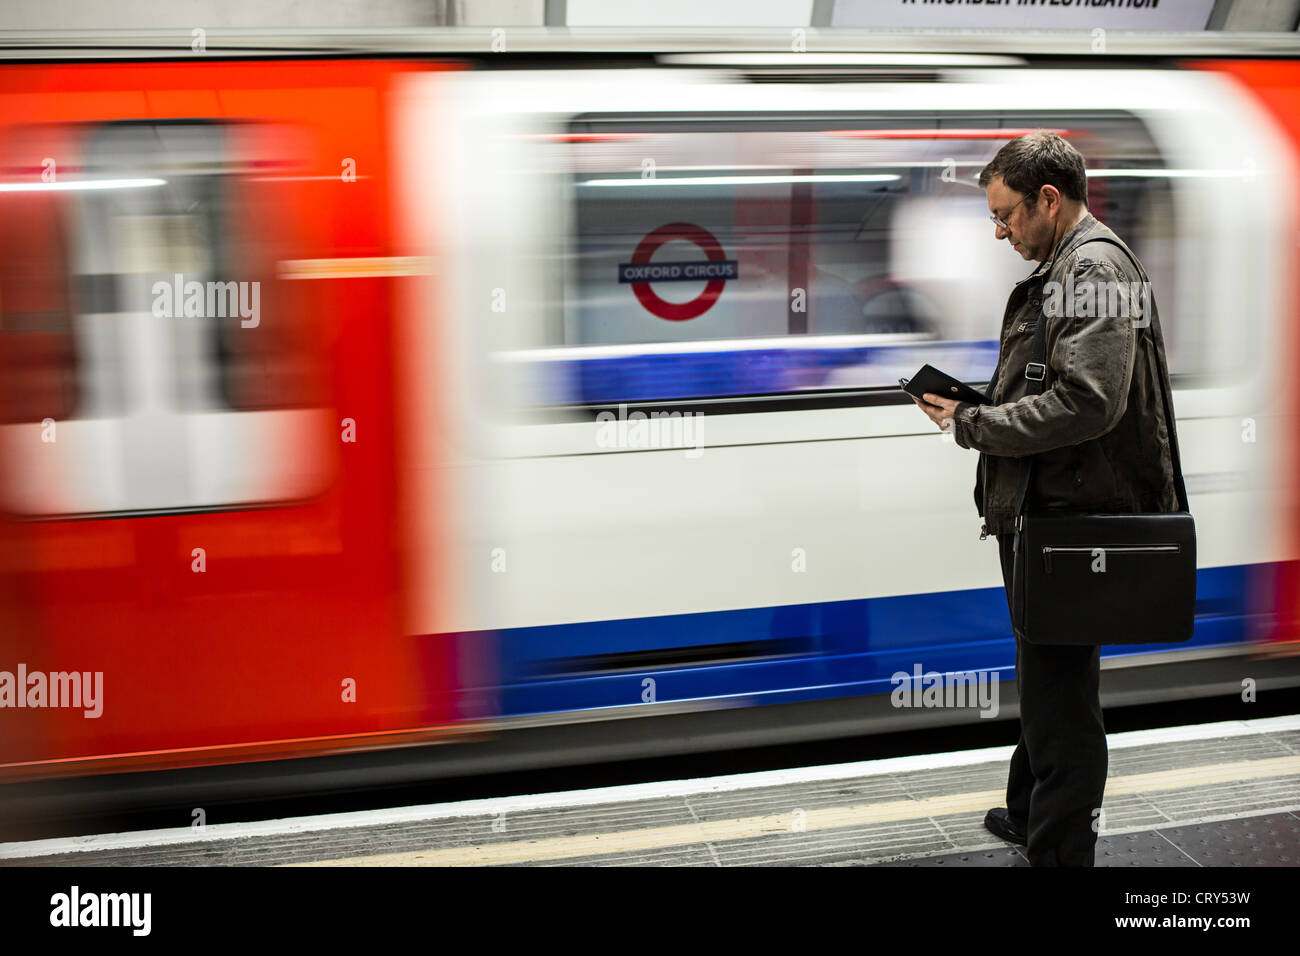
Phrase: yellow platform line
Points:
(652, 838)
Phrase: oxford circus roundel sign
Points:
(716, 269)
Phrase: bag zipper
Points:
(1048, 550)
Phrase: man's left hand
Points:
(941, 416)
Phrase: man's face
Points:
(1029, 228)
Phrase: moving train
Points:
(448, 409)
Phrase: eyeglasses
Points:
(1002, 223)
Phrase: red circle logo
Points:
(678, 311)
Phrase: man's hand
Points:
(941, 416)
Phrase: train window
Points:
(39, 370)
(727, 255)
(158, 343)
(241, 347)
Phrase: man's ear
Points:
(1052, 196)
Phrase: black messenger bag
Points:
(1087, 578)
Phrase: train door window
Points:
(177, 373)
(41, 371)
(722, 256)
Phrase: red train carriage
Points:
(199, 477)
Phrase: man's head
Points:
(1037, 186)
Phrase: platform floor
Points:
(1214, 795)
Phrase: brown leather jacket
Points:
(1098, 431)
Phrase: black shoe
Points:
(999, 822)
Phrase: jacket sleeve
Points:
(1091, 355)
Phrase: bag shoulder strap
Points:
(1036, 386)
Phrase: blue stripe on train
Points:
(670, 376)
(834, 649)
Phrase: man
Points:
(1100, 442)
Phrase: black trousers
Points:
(1058, 770)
